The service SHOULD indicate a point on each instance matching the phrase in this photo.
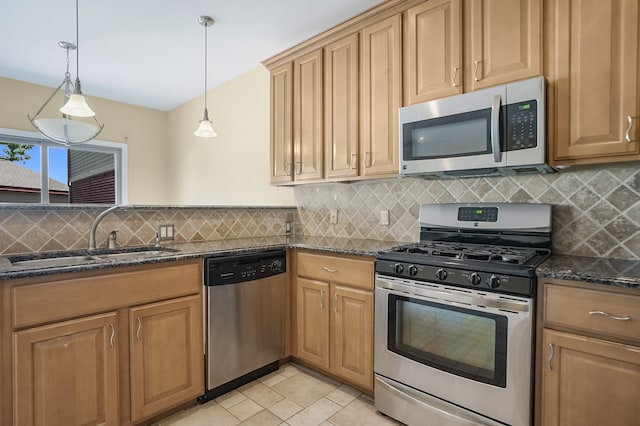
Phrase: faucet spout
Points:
(94, 226)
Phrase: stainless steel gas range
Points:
(455, 316)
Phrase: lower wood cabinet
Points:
(588, 354)
(334, 316)
(115, 347)
(165, 361)
(67, 373)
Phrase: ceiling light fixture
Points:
(65, 130)
(205, 129)
(77, 104)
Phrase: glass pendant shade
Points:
(205, 129)
(66, 131)
(77, 106)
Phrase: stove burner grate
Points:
(482, 253)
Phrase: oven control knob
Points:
(493, 281)
(441, 274)
(474, 278)
(413, 271)
(399, 268)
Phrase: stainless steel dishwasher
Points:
(244, 318)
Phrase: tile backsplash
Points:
(47, 228)
(596, 212)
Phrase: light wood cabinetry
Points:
(334, 316)
(592, 50)
(589, 355)
(281, 110)
(110, 347)
(67, 373)
(165, 361)
(501, 42)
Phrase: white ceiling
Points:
(151, 52)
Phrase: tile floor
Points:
(291, 396)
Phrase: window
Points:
(36, 170)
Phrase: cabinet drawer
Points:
(593, 310)
(342, 270)
(64, 298)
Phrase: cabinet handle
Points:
(627, 136)
(353, 157)
(335, 303)
(298, 167)
(288, 169)
(476, 65)
(625, 318)
(329, 269)
(113, 335)
(550, 356)
(367, 159)
(454, 77)
(139, 328)
(321, 299)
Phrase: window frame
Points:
(119, 149)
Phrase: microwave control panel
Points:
(522, 125)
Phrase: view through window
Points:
(38, 171)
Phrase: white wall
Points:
(232, 168)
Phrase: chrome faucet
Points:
(92, 232)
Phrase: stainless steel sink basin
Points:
(53, 260)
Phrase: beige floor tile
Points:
(343, 395)
(230, 399)
(360, 412)
(262, 394)
(289, 370)
(304, 389)
(210, 414)
(273, 378)
(245, 409)
(263, 418)
(285, 408)
(315, 414)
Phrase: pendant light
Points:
(77, 104)
(65, 130)
(205, 129)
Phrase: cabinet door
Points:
(433, 51)
(281, 124)
(589, 381)
(307, 116)
(352, 342)
(381, 97)
(341, 107)
(593, 80)
(165, 354)
(67, 373)
(313, 322)
(504, 41)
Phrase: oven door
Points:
(465, 347)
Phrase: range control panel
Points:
(478, 214)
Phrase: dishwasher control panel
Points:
(238, 268)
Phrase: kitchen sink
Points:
(71, 258)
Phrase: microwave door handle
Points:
(495, 128)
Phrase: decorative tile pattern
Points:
(596, 212)
(25, 229)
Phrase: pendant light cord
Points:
(205, 64)
(77, 45)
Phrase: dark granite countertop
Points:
(194, 250)
(614, 272)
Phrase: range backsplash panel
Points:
(596, 212)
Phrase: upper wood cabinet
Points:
(592, 67)
(502, 43)
(297, 120)
(432, 51)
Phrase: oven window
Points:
(450, 136)
(457, 340)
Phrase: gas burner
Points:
(482, 253)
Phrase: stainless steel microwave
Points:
(495, 131)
